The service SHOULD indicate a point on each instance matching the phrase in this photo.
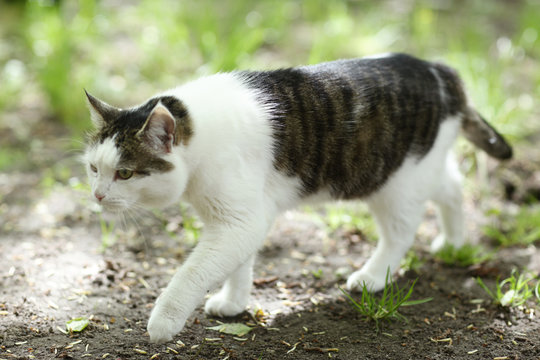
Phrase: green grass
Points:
(108, 237)
(384, 307)
(411, 262)
(348, 217)
(317, 274)
(191, 225)
(56, 49)
(12, 158)
(512, 291)
(466, 255)
(511, 229)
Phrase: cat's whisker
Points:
(78, 152)
(67, 140)
(123, 220)
(133, 216)
(70, 145)
(138, 206)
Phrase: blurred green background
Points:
(125, 51)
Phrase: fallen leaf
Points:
(77, 324)
(264, 281)
(236, 329)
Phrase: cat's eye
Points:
(93, 168)
(124, 174)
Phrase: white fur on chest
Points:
(230, 155)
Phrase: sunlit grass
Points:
(510, 229)
(65, 46)
(512, 291)
(411, 262)
(464, 256)
(317, 274)
(385, 306)
(350, 217)
(108, 237)
(191, 225)
(10, 158)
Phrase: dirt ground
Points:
(54, 267)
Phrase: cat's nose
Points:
(99, 196)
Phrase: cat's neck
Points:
(230, 129)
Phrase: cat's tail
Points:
(480, 133)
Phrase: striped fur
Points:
(348, 125)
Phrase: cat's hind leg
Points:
(398, 206)
(397, 219)
(233, 297)
(448, 200)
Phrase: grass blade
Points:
(387, 305)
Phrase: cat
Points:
(241, 147)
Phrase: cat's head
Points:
(133, 158)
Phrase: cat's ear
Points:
(100, 111)
(158, 130)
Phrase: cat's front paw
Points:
(164, 323)
(220, 305)
(373, 282)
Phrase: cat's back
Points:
(345, 126)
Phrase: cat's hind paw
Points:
(441, 241)
(437, 244)
(373, 283)
(219, 305)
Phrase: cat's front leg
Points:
(222, 249)
(233, 297)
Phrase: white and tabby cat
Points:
(242, 147)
